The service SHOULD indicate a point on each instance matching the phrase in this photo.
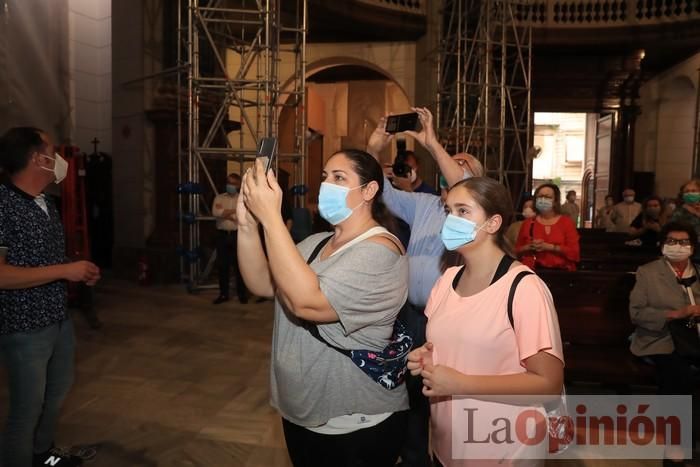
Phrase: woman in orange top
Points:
(549, 240)
(473, 349)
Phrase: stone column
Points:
(622, 157)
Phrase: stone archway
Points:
(345, 99)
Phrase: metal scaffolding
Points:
(484, 83)
(232, 52)
(696, 144)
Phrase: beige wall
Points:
(137, 38)
(664, 131)
(90, 25)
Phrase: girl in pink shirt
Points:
(472, 349)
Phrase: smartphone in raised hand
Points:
(403, 122)
(267, 151)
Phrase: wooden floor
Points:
(171, 380)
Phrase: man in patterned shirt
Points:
(36, 335)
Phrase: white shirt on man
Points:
(623, 214)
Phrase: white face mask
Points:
(60, 167)
(528, 212)
(629, 199)
(677, 253)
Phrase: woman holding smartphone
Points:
(350, 292)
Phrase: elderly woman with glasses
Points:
(662, 293)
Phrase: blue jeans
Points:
(40, 371)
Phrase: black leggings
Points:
(377, 446)
(675, 375)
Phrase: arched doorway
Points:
(345, 98)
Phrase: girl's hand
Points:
(440, 380)
(419, 357)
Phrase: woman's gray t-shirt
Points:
(310, 383)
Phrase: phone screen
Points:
(403, 122)
(267, 151)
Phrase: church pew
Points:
(592, 307)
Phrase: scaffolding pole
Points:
(696, 143)
(231, 52)
(484, 82)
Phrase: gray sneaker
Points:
(86, 452)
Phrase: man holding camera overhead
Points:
(425, 215)
(404, 173)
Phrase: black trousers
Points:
(675, 376)
(227, 258)
(377, 446)
(415, 451)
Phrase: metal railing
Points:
(606, 13)
(408, 6)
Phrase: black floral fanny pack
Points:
(386, 367)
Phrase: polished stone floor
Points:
(171, 380)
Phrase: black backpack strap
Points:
(318, 249)
(455, 281)
(501, 271)
(511, 294)
(311, 327)
(502, 268)
(313, 330)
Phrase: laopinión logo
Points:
(598, 427)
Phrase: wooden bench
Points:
(593, 310)
(606, 251)
(623, 262)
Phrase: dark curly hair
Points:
(678, 227)
(368, 170)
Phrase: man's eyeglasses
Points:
(675, 241)
(465, 164)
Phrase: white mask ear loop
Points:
(692, 302)
(691, 297)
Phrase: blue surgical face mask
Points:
(458, 231)
(231, 189)
(332, 202)
(544, 204)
